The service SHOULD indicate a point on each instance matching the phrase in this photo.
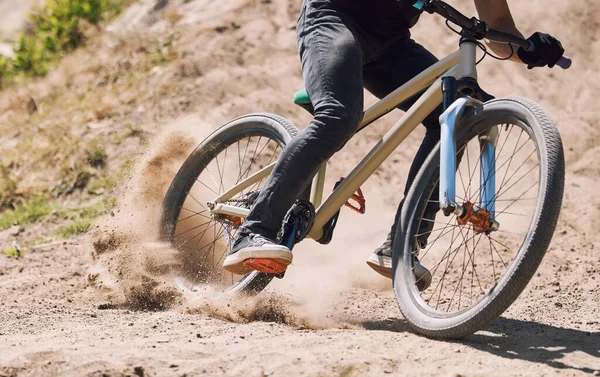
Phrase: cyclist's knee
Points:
(333, 126)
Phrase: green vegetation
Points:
(13, 252)
(93, 211)
(96, 155)
(100, 185)
(29, 211)
(39, 208)
(57, 28)
(77, 228)
(347, 371)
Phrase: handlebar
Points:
(479, 29)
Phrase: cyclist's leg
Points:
(332, 65)
(399, 61)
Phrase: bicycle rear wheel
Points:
(476, 275)
(229, 155)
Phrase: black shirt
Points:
(384, 18)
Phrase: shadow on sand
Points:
(522, 340)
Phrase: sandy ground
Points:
(331, 315)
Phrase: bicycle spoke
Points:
(509, 161)
(524, 175)
(432, 243)
(221, 187)
(472, 174)
(214, 181)
(259, 183)
(201, 234)
(194, 214)
(239, 178)
(468, 189)
(191, 229)
(246, 172)
(453, 252)
(497, 252)
(492, 256)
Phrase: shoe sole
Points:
(257, 257)
(383, 266)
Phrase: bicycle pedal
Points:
(264, 265)
(358, 198)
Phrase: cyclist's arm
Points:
(496, 14)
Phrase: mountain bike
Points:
(480, 214)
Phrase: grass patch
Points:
(40, 241)
(126, 170)
(347, 371)
(100, 185)
(13, 252)
(36, 209)
(56, 29)
(75, 229)
(30, 211)
(95, 155)
(88, 212)
(98, 209)
(39, 207)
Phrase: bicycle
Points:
(472, 283)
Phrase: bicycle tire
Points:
(422, 318)
(265, 125)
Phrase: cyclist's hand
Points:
(548, 50)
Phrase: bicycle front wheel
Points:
(477, 274)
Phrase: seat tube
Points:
(318, 183)
(487, 143)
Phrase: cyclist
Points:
(346, 45)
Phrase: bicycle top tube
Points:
(477, 29)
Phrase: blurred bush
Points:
(55, 30)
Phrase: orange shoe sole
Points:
(267, 266)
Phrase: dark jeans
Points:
(338, 60)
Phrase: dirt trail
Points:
(331, 315)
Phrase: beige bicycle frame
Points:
(461, 63)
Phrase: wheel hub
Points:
(481, 218)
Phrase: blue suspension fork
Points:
(448, 120)
(487, 144)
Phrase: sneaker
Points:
(381, 261)
(256, 252)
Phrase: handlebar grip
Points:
(564, 62)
